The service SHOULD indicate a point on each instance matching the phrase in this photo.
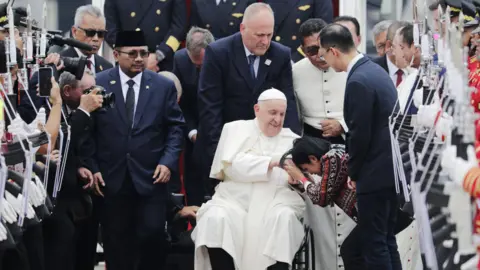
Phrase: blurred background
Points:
(368, 12)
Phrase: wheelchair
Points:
(305, 257)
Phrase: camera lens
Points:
(75, 65)
(108, 100)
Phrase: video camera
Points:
(44, 41)
(108, 98)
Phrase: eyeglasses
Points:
(312, 50)
(134, 54)
(322, 58)
(93, 32)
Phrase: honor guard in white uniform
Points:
(253, 218)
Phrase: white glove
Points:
(3, 233)
(426, 115)
(418, 98)
(8, 214)
(17, 204)
(444, 125)
(41, 187)
(34, 195)
(456, 167)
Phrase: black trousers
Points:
(90, 234)
(194, 186)
(351, 251)
(313, 132)
(134, 226)
(64, 241)
(377, 216)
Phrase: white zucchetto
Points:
(271, 94)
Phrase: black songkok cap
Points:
(130, 39)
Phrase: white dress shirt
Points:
(136, 87)
(91, 59)
(353, 62)
(257, 60)
(392, 71)
(320, 93)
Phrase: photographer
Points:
(88, 28)
(64, 246)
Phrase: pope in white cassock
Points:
(253, 220)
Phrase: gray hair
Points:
(176, 81)
(392, 29)
(195, 45)
(254, 9)
(90, 10)
(67, 78)
(380, 28)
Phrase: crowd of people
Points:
(220, 155)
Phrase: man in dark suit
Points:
(221, 17)
(187, 65)
(138, 144)
(370, 98)
(235, 71)
(163, 22)
(396, 70)
(290, 14)
(64, 249)
(89, 28)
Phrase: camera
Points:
(108, 98)
(74, 65)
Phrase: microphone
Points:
(60, 41)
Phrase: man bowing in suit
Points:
(370, 97)
(235, 70)
(138, 144)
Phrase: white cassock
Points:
(253, 216)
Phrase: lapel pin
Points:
(148, 86)
(112, 82)
(101, 68)
(268, 62)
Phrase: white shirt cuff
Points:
(87, 113)
(344, 125)
(191, 133)
(306, 185)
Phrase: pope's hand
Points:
(273, 164)
(161, 174)
(189, 212)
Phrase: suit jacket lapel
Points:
(98, 64)
(143, 97)
(241, 61)
(116, 88)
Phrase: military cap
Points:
(130, 39)
(469, 14)
(455, 7)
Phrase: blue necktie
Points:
(412, 109)
(251, 62)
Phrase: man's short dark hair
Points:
(349, 19)
(338, 36)
(311, 27)
(407, 34)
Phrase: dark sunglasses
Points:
(312, 50)
(93, 32)
(134, 54)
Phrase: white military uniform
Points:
(320, 93)
(408, 239)
(253, 215)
